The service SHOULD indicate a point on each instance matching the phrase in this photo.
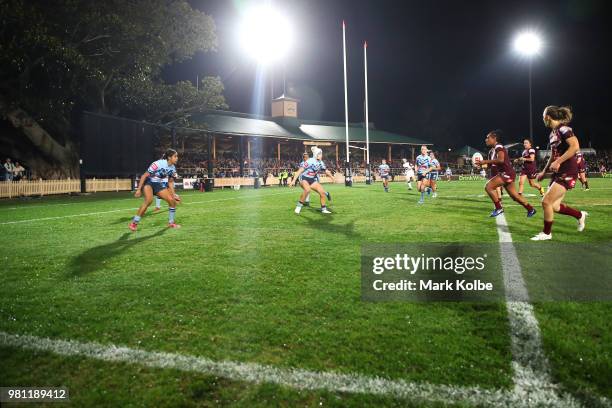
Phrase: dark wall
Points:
(112, 146)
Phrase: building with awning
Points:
(272, 135)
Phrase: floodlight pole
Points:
(348, 177)
(530, 103)
(367, 121)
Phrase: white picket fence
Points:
(23, 188)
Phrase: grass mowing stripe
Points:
(258, 373)
(531, 368)
(122, 209)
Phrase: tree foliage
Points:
(58, 57)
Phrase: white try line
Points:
(60, 217)
(259, 373)
(531, 368)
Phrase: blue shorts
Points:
(386, 177)
(310, 180)
(432, 176)
(156, 186)
(421, 176)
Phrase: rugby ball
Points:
(476, 157)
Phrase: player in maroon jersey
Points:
(530, 169)
(499, 160)
(582, 171)
(562, 163)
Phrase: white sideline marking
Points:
(531, 369)
(129, 209)
(258, 373)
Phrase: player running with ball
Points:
(309, 172)
(383, 171)
(562, 162)
(499, 160)
(158, 180)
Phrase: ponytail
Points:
(562, 114)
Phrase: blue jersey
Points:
(159, 171)
(384, 169)
(302, 165)
(435, 164)
(312, 167)
(423, 163)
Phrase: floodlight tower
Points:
(266, 36)
(529, 44)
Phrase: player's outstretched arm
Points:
(296, 176)
(138, 191)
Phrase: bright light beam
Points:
(528, 43)
(265, 34)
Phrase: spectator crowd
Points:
(12, 171)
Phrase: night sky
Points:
(444, 71)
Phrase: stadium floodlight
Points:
(265, 34)
(528, 43)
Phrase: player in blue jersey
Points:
(305, 158)
(384, 172)
(423, 165)
(158, 180)
(434, 173)
(308, 174)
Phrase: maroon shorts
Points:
(568, 181)
(508, 177)
(530, 174)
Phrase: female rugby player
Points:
(158, 180)
(504, 175)
(562, 163)
(530, 169)
(305, 158)
(434, 174)
(582, 171)
(309, 173)
(423, 165)
(384, 172)
(408, 172)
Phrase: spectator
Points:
(18, 171)
(9, 168)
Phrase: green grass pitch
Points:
(247, 280)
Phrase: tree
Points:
(60, 57)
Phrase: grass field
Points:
(246, 280)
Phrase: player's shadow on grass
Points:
(126, 220)
(323, 222)
(94, 258)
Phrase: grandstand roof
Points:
(241, 124)
(467, 151)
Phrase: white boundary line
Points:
(258, 373)
(531, 369)
(132, 209)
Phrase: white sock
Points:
(157, 202)
(307, 200)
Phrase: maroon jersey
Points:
(529, 167)
(580, 162)
(558, 144)
(506, 167)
